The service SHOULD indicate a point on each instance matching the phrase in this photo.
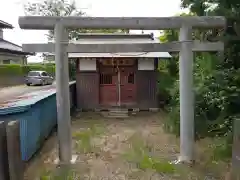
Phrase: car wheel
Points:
(28, 84)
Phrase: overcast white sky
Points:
(11, 9)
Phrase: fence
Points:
(37, 115)
(7, 81)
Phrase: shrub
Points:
(10, 69)
(21, 70)
(217, 98)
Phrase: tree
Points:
(53, 8)
(171, 36)
(216, 80)
(63, 8)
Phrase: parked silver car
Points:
(38, 78)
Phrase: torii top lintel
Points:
(144, 23)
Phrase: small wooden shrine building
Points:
(105, 80)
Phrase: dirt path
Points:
(132, 149)
(14, 91)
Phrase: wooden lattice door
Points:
(117, 82)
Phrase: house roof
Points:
(117, 39)
(5, 25)
(9, 47)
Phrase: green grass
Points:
(84, 138)
(140, 154)
(222, 150)
(62, 173)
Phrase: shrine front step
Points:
(116, 113)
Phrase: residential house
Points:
(10, 53)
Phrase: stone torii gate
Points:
(185, 46)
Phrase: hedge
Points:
(22, 70)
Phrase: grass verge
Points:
(141, 154)
(84, 138)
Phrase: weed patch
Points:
(84, 138)
(62, 173)
(140, 154)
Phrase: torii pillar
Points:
(186, 96)
(62, 95)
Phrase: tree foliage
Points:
(172, 35)
(63, 8)
(216, 77)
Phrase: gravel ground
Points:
(135, 148)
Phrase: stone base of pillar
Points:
(184, 161)
(73, 160)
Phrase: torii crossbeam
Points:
(186, 47)
(116, 48)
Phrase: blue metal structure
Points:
(37, 113)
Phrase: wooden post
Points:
(186, 95)
(4, 172)
(16, 170)
(62, 88)
(119, 87)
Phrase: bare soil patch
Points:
(136, 148)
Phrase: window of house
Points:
(105, 79)
(8, 61)
(131, 78)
